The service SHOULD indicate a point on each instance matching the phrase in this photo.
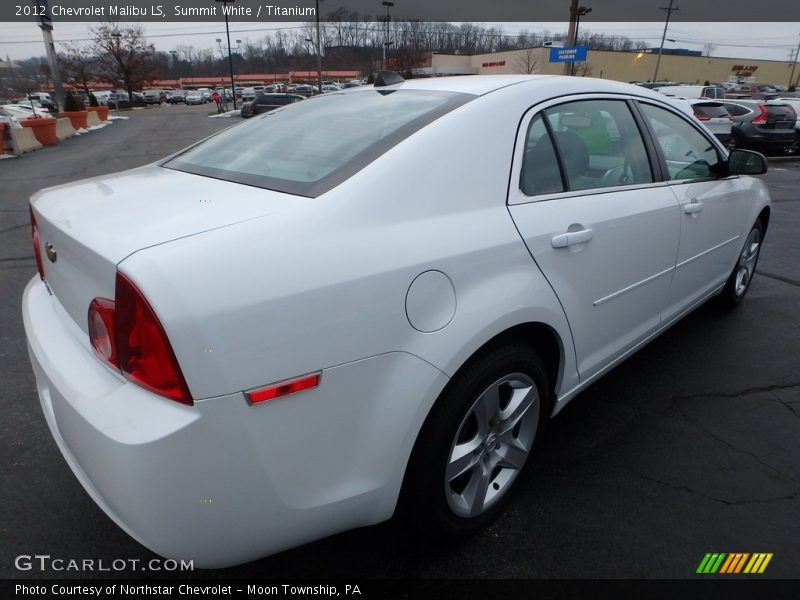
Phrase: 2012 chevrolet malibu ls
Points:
(376, 307)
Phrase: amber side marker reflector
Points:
(283, 388)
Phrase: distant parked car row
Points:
(768, 123)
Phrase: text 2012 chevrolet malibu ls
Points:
(376, 306)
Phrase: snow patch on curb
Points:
(4, 156)
(117, 118)
(226, 115)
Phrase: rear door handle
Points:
(692, 207)
(572, 238)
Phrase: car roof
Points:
(542, 86)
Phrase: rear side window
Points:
(736, 110)
(687, 152)
(712, 111)
(540, 171)
(309, 147)
(599, 144)
(781, 112)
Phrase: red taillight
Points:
(101, 331)
(144, 352)
(126, 334)
(284, 388)
(702, 117)
(762, 115)
(37, 245)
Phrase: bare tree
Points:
(124, 58)
(78, 65)
(528, 61)
(584, 69)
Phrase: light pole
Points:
(174, 54)
(386, 42)
(669, 10)
(581, 12)
(230, 56)
(319, 54)
(794, 64)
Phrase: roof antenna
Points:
(384, 78)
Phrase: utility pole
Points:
(230, 56)
(573, 14)
(581, 12)
(46, 25)
(669, 10)
(794, 64)
(319, 55)
(388, 5)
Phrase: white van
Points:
(692, 91)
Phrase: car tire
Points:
(794, 148)
(742, 275)
(476, 443)
(735, 141)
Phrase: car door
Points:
(712, 206)
(587, 198)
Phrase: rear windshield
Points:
(712, 111)
(780, 112)
(309, 147)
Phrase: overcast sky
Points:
(774, 41)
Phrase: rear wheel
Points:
(476, 442)
(742, 276)
(735, 141)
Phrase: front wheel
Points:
(476, 442)
(742, 276)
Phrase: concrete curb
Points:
(93, 119)
(25, 140)
(64, 129)
(793, 158)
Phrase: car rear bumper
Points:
(766, 138)
(223, 482)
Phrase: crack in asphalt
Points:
(15, 228)
(686, 488)
(745, 392)
(726, 443)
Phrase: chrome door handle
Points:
(692, 207)
(572, 238)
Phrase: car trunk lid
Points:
(87, 228)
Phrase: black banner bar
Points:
(534, 11)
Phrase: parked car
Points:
(44, 99)
(764, 126)
(154, 97)
(267, 102)
(331, 340)
(248, 95)
(195, 97)
(714, 116)
(794, 102)
(302, 89)
(692, 91)
(177, 97)
(18, 112)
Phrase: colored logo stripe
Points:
(734, 563)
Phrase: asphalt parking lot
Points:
(689, 447)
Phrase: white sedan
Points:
(374, 308)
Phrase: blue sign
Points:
(568, 54)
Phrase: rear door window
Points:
(599, 144)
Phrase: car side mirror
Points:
(746, 162)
